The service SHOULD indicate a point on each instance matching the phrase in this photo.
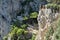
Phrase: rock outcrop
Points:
(45, 18)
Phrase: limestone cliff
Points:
(45, 22)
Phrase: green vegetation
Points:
(25, 18)
(49, 33)
(34, 15)
(57, 32)
(24, 26)
(53, 5)
(54, 1)
(17, 34)
(33, 37)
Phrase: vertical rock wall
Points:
(9, 10)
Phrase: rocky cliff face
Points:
(8, 8)
(11, 9)
(4, 27)
(45, 20)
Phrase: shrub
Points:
(19, 31)
(33, 37)
(57, 32)
(16, 32)
(5, 38)
(34, 15)
(52, 5)
(25, 18)
(24, 26)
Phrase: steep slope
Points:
(10, 10)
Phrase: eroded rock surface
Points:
(45, 18)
